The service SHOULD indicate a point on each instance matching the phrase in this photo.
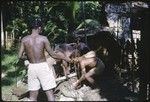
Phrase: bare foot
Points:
(75, 85)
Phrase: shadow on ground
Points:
(112, 90)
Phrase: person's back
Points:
(39, 73)
(34, 48)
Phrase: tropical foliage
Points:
(59, 19)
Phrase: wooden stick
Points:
(64, 77)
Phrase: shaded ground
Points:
(111, 89)
(108, 89)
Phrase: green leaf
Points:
(36, 8)
(89, 22)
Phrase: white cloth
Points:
(40, 74)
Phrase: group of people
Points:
(39, 73)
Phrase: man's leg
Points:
(82, 66)
(79, 81)
(50, 95)
(89, 75)
(66, 69)
(33, 95)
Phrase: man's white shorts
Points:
(40, 74)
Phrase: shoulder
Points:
(44, 38)
(25, 38)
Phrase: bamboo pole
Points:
(64, 77)
(2, 30)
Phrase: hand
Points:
(68, 59)
(26, 63)
(76, 59)
(83, 71)
(75, 84)
(72, 61)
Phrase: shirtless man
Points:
(34, 46)
(65, 50)
(89, 62)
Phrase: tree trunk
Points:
(2, 30)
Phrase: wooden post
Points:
(2, 31)
(64, 77)
(6, 41)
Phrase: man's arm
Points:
(20, 53)
(52, 53)
(21, 50)
(89, 54)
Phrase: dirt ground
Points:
(107, 90)
(63, 92)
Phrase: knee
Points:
(86, 76)
(49, 92)
(82, 65)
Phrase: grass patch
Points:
(12, 72)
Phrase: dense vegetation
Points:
(59, 19)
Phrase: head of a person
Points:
(36, 25)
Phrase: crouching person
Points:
(90, 66)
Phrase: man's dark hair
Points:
(35, 24)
